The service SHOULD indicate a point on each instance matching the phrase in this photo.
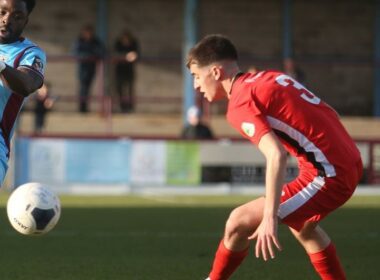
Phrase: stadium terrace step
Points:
(159, 125)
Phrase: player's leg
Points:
(241, 224)
(307, 201)
(321, 251)
(233, 248)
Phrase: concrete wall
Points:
(333, 43)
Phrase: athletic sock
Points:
(327, 264)
(226, 262)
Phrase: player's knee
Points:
(238, 224)
(308, 231)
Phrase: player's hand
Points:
(266, 235)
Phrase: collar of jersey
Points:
(238, 74)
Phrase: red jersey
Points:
(308, 128)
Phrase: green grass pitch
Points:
(172, 238)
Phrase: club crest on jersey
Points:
(248, 128)
(37, 64)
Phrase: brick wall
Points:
(333, 43)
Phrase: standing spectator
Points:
(89, 49)
(126, 47)
(195, 129)
(44, 102)
(292, 70)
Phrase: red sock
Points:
(327, 264)
(226, 262)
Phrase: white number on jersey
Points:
(307, 95)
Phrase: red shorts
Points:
(311, 199)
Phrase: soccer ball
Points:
(33, 209)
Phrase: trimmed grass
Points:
(172, 238)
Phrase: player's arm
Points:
(22, 80)
(266, 233)
(276, 157)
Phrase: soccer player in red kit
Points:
(279, 116)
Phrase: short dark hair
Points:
(210, 49)
(29, 5)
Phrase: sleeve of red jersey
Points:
(249, 121)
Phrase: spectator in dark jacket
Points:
(127, 51)
(195, 129)
(88, 49)
(44, 102)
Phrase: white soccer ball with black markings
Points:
(33, 209)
